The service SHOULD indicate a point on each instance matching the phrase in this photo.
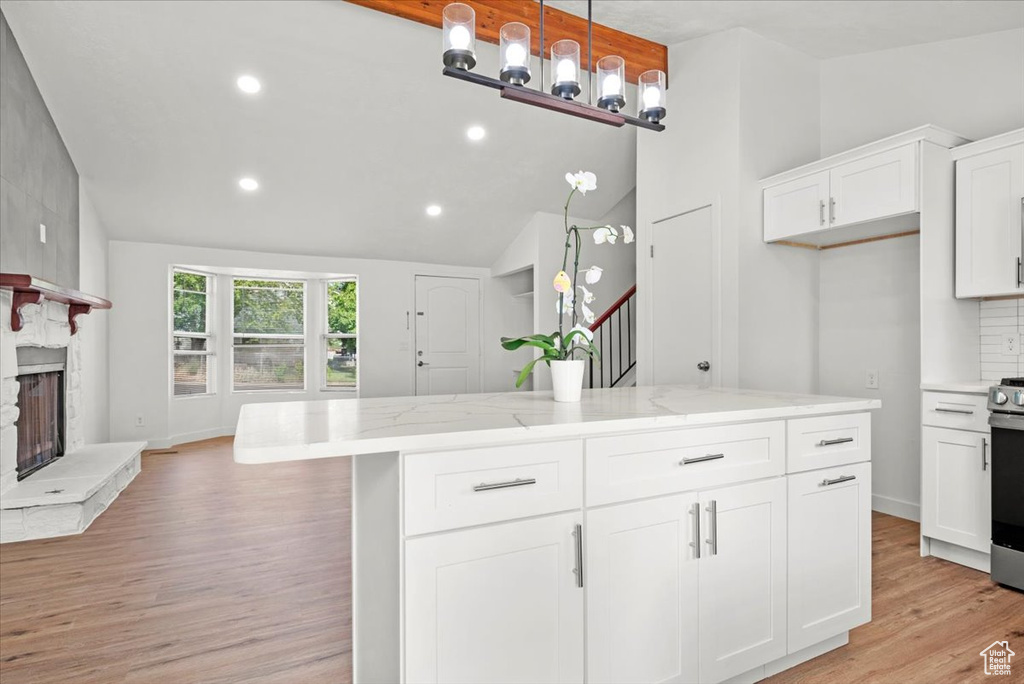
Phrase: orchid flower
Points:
(588, 296)
(582, 181)
(593, 274)
(605, 234)
(562, 284)
(585, 335)
(564, 304)
(588, 315)
(627, 234)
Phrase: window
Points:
(341, 369)
(191, 341)
(269, 335)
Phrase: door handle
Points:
(577, 532)
(984, 453)
(704, 366)
(695, 512)
(831, 210)
(842, 478)
(712, 541)
(422, 363)
(821, 212)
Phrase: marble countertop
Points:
(289, 431)
(961, 386)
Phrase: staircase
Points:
(615, 338)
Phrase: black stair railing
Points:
(613, 335)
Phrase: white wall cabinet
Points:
(956, 487)
(495, 604)
(796, 207)
(874, 187)
(829, 553)
(989, 220)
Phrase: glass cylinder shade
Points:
(459, 36)
(565, 69)
(611, 83)
(651, 92)
(515, 53)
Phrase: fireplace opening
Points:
(40, 421)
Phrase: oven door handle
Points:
(1006, 421)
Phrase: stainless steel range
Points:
(1006, 406)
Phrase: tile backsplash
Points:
(1000, 318)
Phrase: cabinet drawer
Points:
(826, 441)
(636, 466)
(958, 411)
(450, 489)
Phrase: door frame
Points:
(416, 322)
(645, 277)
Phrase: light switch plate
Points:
(871, 379)
(42, 233)
(1011, 344)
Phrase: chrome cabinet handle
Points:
(518, 482)
(695, 512)
(577, 532)
(701, 459)
(830, 442)
(964, 412)
(984, 453)
(821, 212)
(712, 541)
(831, 209)
(842, 478)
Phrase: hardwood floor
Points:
(203, 570)
(209, 571)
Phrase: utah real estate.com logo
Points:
(997, 658)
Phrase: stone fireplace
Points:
(51, 482)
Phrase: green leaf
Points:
(512, 344)
(525, 373)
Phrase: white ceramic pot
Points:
(567, 379)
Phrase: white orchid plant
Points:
(571, 308)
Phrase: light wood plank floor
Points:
(209, 571)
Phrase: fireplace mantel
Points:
(31, 290)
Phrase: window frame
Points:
(327, 335)
(303, 337)
(209, 335)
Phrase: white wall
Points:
(139, 329)
(870, 320)
(972, 86)
(94, 327)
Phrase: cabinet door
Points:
(989, 197)
(495, 604)
(742, 578)
(797, 207)
(829, 553)
(642, 591)
(877, 186)
(956, 487)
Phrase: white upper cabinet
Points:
(870, 191)
(877, 186)
(989, 221)
(797, 207)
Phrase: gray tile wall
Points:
(38, 180)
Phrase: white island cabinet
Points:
(665, 534)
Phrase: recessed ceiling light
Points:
(476, 133)
(434, 210)
(249, 84)
(248, 184)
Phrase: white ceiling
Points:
(820, 29)
(354, 133)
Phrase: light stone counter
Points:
(289, 431)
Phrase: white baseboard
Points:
(897, 507)
(186, 437)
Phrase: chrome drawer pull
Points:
(961, 411)
(841, 478)
(831, 442)
(518, 482)
(701, 459)
(577, 532)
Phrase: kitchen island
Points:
(645, 534)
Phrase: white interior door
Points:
(683, 299)
(447, 335)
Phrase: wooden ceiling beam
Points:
(491, 15)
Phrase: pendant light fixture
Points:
(515, 54)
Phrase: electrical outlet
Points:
(1011, 344)
(140, 421)
(42, 233)
(871, 380)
